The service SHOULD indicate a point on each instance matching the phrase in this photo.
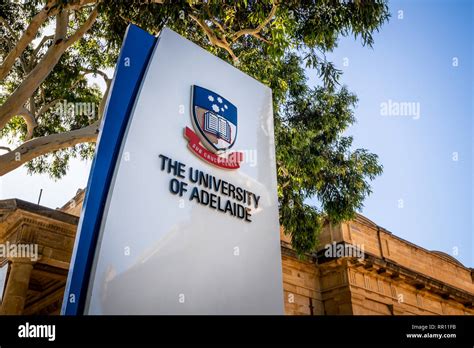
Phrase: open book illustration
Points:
(217, 126)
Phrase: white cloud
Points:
(215, 107)
(211, 98)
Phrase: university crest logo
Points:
(214, 121)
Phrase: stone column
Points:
(14, 298)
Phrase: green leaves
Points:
(272, 41)
(316, 162)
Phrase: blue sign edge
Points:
(133, 61)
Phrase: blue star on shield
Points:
(214, 119)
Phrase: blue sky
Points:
(411, 62)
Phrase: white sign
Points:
(190, 224)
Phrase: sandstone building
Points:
(391, 277)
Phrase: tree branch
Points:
(30, 122)
(62, 21)
(78, 4)
(5, 148)
(260, 37)
(43, 41)
(215, 41)
(213, 20)
(83, 28)
(255, 32)
(46, 107)
(13, 104)
(43, 145)
(218, 25)
(97, 72)
(104, 99)
(25, 39)
(222, 40)
(108, 82)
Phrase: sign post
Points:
(181, 209)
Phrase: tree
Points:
(271, 40)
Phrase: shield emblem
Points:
(214, 119)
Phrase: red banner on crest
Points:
(230, 161)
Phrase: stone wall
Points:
(433, 264)
(395, 277)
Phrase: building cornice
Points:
(386, 268)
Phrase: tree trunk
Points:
(44, 145)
